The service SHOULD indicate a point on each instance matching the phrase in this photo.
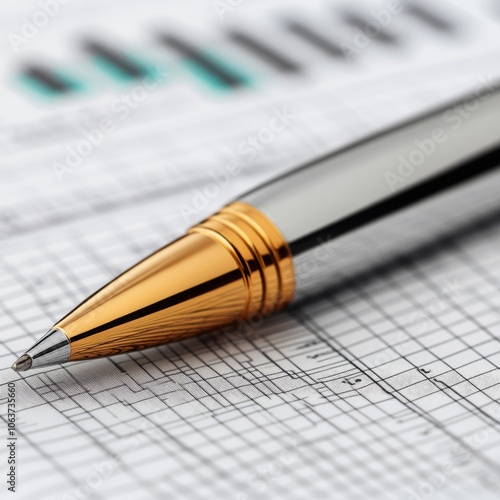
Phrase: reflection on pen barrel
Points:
(391, 193)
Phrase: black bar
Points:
(113, 57)
(225, 76)
(279, 61)
(45, 77)
(301, 30)
(362, 24)
(160, 305)
(467, 171)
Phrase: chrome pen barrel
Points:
(385, 195)
(385, 241)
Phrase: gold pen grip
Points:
(233, 265)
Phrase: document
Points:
(113, 144)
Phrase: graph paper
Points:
(385, 386)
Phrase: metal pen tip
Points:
(23, 363)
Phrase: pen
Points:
(303, 231)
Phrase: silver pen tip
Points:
(23, 363)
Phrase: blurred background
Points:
(107, 104)
(122, 124)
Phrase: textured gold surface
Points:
(233, 265)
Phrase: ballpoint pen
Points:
(295, 234)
